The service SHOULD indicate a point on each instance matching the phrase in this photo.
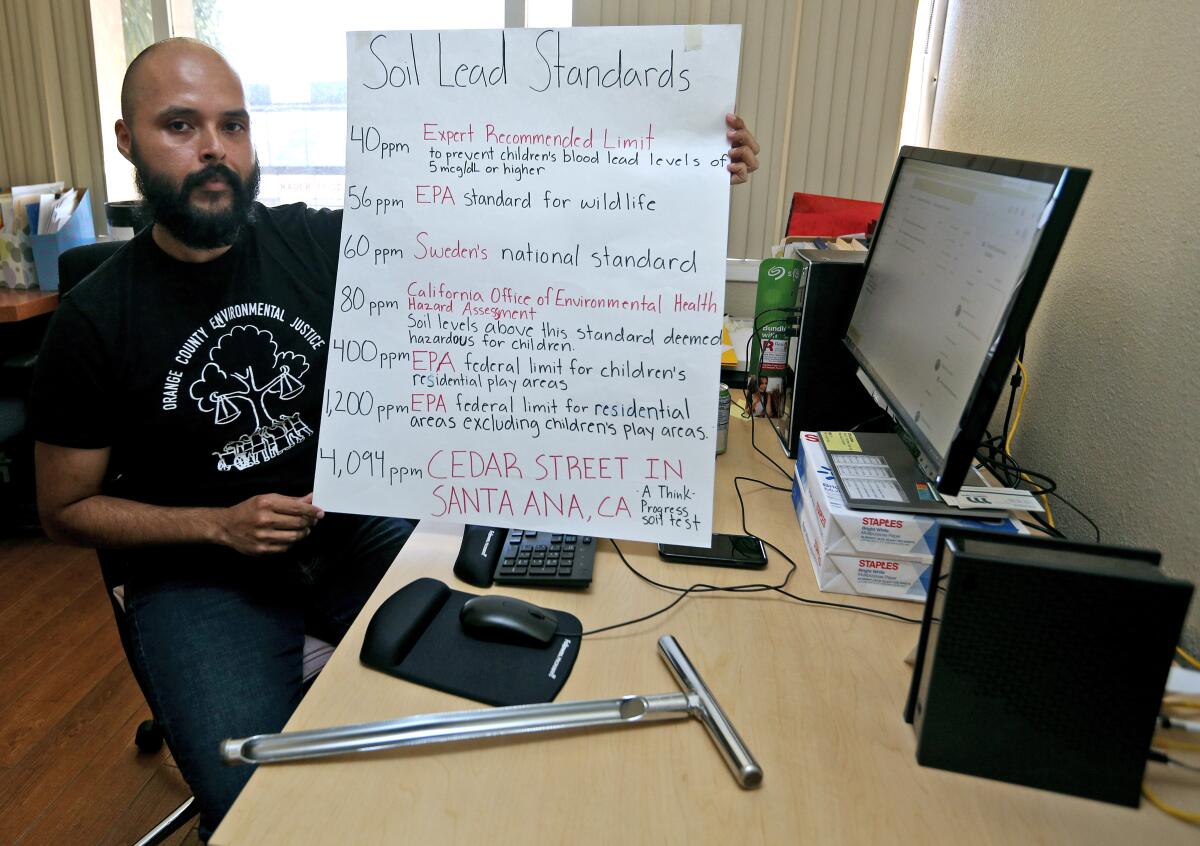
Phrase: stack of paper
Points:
(872, 553)
(53, 210)
(16, 252)
(792, 245)
(37, 224)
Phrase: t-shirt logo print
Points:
(245, 368)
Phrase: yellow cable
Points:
(1013, 431)
(1168, 743)
(1180, 700)
(1020, 405)
(1179, 814)
(1179, 650)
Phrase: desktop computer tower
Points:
(820, 389)
(1043, 662)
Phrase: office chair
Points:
(73, 266)
(15, 481)
(19, 345)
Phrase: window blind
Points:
(821, 85)
(49, 118)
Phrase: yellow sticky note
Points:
(728, 353)
(840, 442)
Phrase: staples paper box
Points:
(843, 530)
(865, 575)
(873, 553)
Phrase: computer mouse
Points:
(503, 619)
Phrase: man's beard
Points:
(170, 206)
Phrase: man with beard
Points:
(175, 410)
(176, 405)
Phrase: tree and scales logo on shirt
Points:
(244, 383)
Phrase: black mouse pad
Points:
(415, 635)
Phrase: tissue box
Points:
(874, 553)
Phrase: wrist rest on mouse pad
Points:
(415, 635)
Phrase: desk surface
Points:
(21, 305)
(816, 693)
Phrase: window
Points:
(921, 90)
(291, 55)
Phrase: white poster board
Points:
(527, 329)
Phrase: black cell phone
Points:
(741, 551)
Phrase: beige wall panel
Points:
(1114, 351)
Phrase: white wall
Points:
(1114, 351)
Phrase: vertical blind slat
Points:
(9, 140)
(893, 105)
(30, 122)
(790, 34)
(873, 97)
(821, 83)
(856, 100)
(762, 30)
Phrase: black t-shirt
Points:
(205, 380)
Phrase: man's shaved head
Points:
(186, 129)
(143, 65)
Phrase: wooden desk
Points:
(21, 305)
(816, 693)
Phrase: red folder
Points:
(818, 216)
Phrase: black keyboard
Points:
(546, 560)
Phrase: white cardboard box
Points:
(864, 575)
(875, 553)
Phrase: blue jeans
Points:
(216, 639)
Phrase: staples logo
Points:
(820, 513)
(868, 564)
(879, 521)
(811, 438)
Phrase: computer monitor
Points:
(958, 263)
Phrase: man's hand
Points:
(743, 151)
(267, 524)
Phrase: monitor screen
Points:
(956, 267)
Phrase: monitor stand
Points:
(876, 472)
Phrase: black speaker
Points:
(820, 387)
(1043, 662)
